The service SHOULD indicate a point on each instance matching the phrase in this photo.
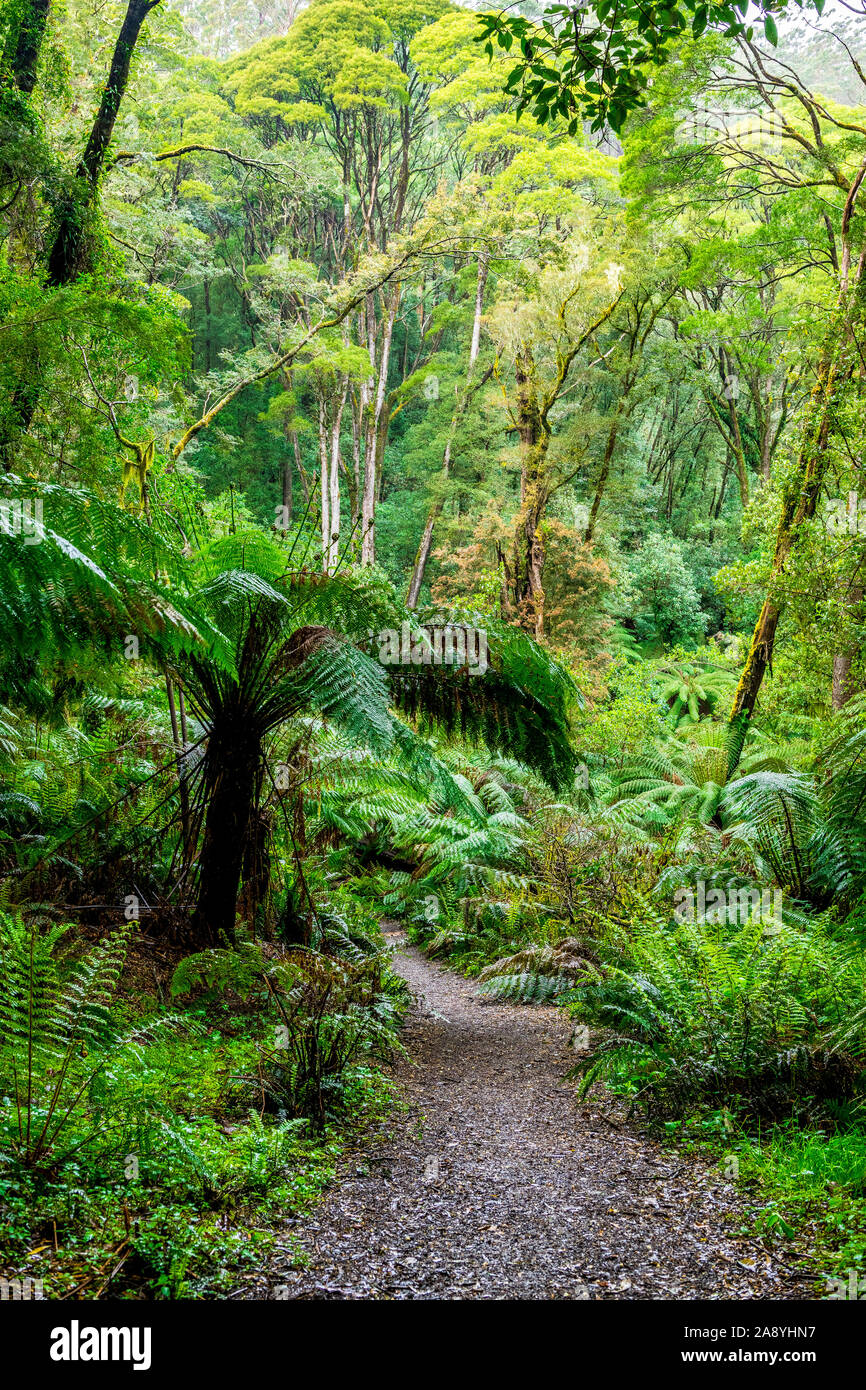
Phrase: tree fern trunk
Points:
(234, 756)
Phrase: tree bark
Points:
(435, 512)
(68, 256)
(377, 421)
(333, 546)
(234, 754)
(24, 45)
(843, 688)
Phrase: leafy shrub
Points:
(329, 1015)
(704, 1012)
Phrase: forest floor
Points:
(494, 1183)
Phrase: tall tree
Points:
(71, 251)
(27, 23)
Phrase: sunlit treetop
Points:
(343, 53)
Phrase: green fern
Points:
(529, 987)
(57, 1039)
(720, 1012)
(240, 971)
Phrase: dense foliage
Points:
(431, 452)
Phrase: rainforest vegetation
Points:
(432, 450)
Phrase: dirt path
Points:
(494, 1184)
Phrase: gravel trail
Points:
(495, 1184)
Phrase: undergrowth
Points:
(155, 1160)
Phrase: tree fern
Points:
(528, 987)
(522, 705)
(89, 581)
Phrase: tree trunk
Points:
(758, 659)
(800, 497)
(23, 402)
(208, 343)
(603, 476)
(302, 472)
(843, 688)
(799, 501)
(234, 759)
(376, 432)
(732, 393)
(531, 415)
(24, 45)
(355, 478)
(532, 597)
(333, 549)
(69, 255)
(179, 740)
(739, 456)
(426, 543)
(287, 480)
(534, 437)
(733, 439)
(21, 60)
(324, 495)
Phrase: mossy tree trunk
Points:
(70, 248)
(803, 489)
(799, 502)
(534, 433)
(24, 44)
